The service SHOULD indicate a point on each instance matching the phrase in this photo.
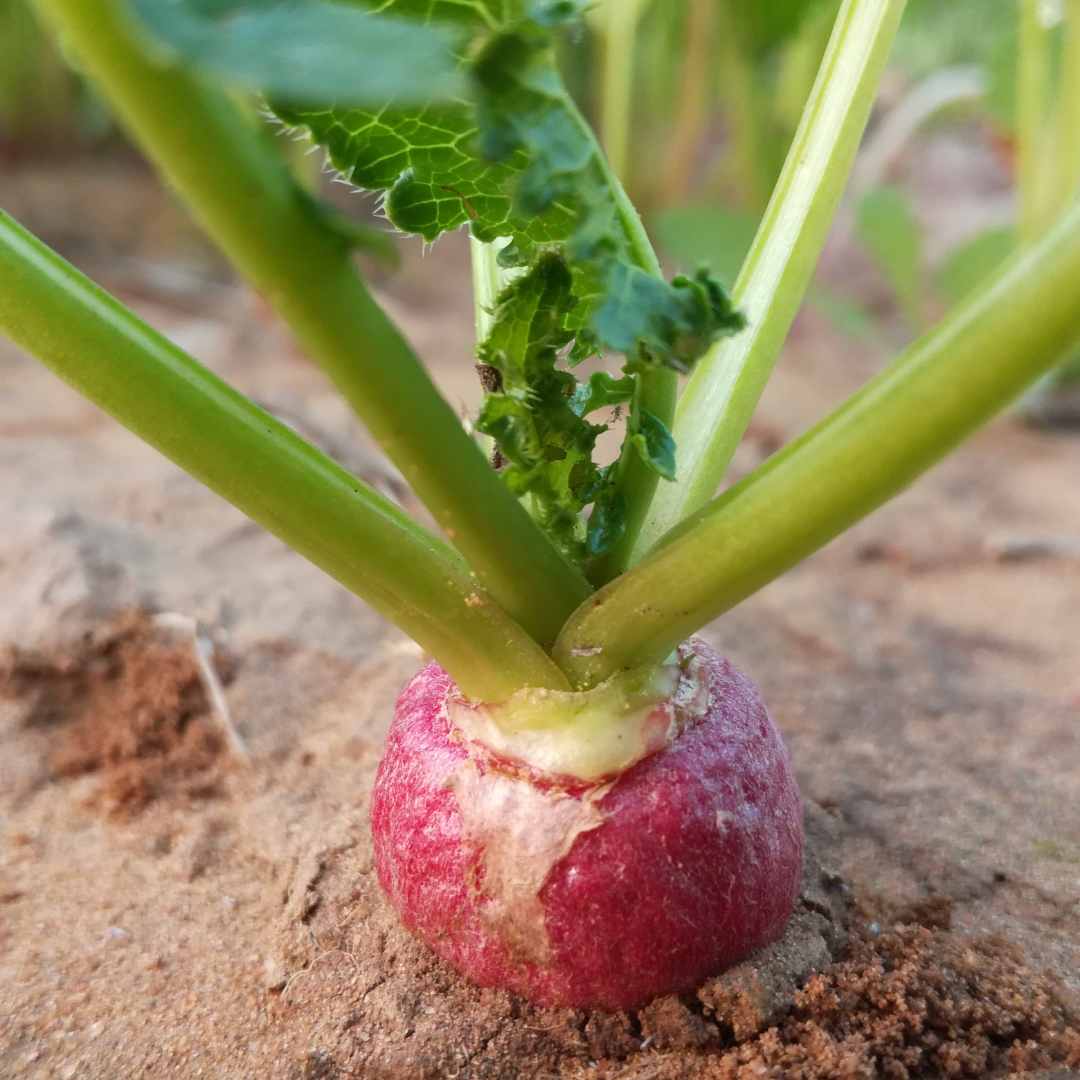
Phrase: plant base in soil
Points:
(602, 894)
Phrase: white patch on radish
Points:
(522, 832)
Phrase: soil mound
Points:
(911, 999)
(912, 1002)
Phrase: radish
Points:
(578, 801)
(601, 893)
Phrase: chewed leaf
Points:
(522, 105)
(637, 308)
(673, 322)
(652, 440)
(509, 421)
(515, 160)
(307, 51)
(602, 390)
(535, 416)
(486, 13)
(492, 14)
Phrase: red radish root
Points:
(598, 895)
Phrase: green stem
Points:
(724, 390)
(487, 284)
(246, 200)
(259, 465)
(955, 378)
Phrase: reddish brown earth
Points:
(224, 921)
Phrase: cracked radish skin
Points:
(602, 892)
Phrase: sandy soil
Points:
(925, 669)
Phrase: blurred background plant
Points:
(697, 102)
(44, 106)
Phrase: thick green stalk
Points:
(245, 199)
(955, 378)
(723, 392)
(343, 526)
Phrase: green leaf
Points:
(307, 51)
(522, 105)
(889, 232)
(520, 162)
(425, 161)
(508, 419)
(536, 418)
(602, 391)
(652, 440)
(489, 13)
(972, 263)
(649, 319)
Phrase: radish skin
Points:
(591, 895)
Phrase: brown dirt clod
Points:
(128, 704)
(916, 1002)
